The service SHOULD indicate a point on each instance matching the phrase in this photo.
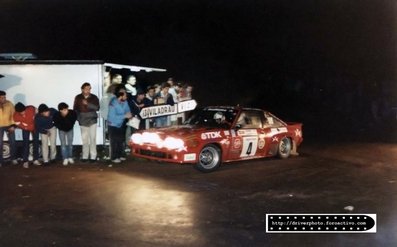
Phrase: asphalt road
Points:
(145, 203)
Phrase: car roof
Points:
(233, 108)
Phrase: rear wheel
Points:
(284, 148)
(31, 151)
(209, 158)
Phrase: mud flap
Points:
(294, 147)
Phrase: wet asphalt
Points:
(147, 203)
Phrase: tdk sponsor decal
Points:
(211, 135)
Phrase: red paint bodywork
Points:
(233, 142)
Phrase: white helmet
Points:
(219, 117)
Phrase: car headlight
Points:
(137, 138)
(173, 143)
(151, 138)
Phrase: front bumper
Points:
(163, 154)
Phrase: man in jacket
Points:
(118, 112)
(24, 120)
(7, 125)
(86, 106)
(163, 97)
(45, 126)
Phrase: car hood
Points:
(180, 131)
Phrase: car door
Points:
(245, 136)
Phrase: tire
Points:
(284, 148)
(209, 158)
(6, 151)
(31, 151)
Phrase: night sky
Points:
(265, 53)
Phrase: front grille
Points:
(156, 154)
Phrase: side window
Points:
(242, 119)
(271, 121)
(250, 119)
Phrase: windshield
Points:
(213, 117)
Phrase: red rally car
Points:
(219, 134)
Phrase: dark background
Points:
(311, 61)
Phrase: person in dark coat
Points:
(163, 98)
(86, 106)
(64, 120)
(136, 103)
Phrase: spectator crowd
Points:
(119, 106)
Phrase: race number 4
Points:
(250, 145)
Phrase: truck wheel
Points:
(31, 151)
(284, 148)
(6, 150)
(209, 158)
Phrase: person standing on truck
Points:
(7, 125)
(86, 106)
(64, 120)
(130, 86)
(24, 119)
(45, 126)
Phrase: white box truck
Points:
(33, 82)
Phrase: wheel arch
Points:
(291, 143)
(215, 150)
(217, 145)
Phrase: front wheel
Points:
(284, 148)
(209, 158)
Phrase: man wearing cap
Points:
(86, 106)
(24, 119)
(7, 125)
(45, 126)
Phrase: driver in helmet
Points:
(220, 119)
